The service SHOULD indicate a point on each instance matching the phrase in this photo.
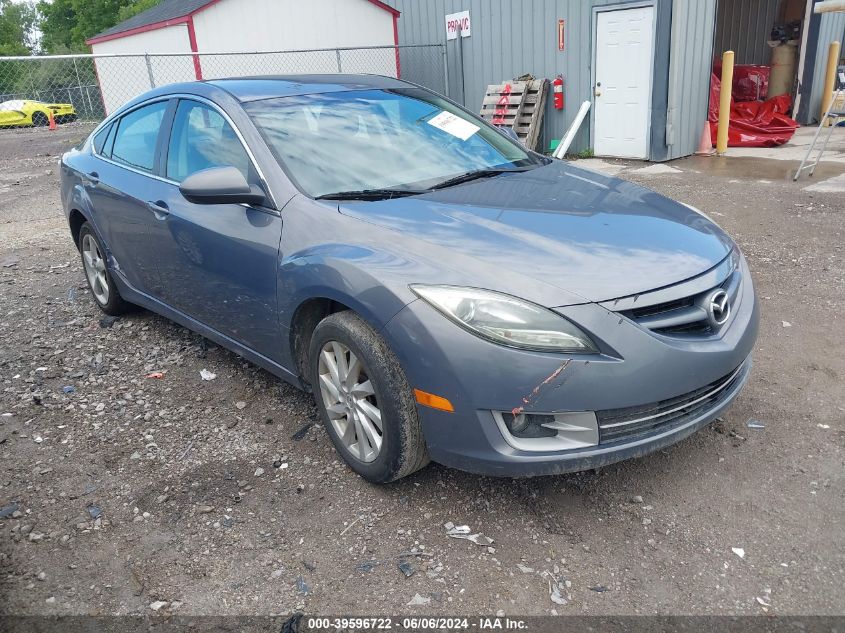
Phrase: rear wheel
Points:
(39, 119)
(97, 273)
(364, 400)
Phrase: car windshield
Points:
(404, 141)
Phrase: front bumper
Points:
(637, 367)
(498, 458)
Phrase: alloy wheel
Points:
(350, 401)
(95, 269)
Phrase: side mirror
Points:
(220, 185)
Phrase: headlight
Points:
(505, 319)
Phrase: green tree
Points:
(17, 28)
(134, 8)
(66, 24)
(57, 21)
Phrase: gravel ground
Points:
(122, 493)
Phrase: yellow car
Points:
(24, 112)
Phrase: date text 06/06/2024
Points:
(415, 623)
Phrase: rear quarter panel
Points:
(73, 195)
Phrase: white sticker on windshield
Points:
(454, 125)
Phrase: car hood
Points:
(588, 234)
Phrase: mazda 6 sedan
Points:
(444, 293)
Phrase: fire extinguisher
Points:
(557, 87)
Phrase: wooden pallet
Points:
(512, 93)
(519, 105)
(531, 122)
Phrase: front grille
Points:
(661, 308)
(630, 423)
(685, 315)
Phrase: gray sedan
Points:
(446, 294)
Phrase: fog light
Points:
(548, 431)
(529, 424)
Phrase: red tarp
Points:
(753, 123)
(750, 82)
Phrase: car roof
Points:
(246, 89)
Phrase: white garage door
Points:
(624, 41)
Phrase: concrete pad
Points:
(763, 171)
(597, 164)
(831, 185)
(797, 146)
(658, 169)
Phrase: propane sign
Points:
(457, 23)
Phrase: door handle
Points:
(93, 178)
(159, 209)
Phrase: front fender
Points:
(347, 274)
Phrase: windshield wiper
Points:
(475, 175)
(387, 194)
(369, 194)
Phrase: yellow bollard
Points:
(829, 78)
(725, 102)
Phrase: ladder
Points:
(832, 116)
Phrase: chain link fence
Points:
(92, 86)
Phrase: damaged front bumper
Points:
(496, 455)
(644, 391)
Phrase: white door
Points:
(622, 101)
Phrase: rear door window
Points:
(100, 138)
(136, 137)
(109, 141)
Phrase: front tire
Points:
(97, 273)
(364, 399)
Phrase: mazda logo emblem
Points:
(718, 308)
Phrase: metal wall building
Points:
(744, 26)
(510, 38)
(824, 29)
(513, 38)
